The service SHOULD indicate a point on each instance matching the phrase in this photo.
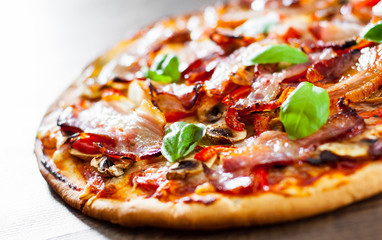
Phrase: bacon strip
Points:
(200, 70)
(342, 125)
(137, 134)
(363, 82)
(230, 43)
(175, 97)
(333, 68)
(273, 147)
(260, 106)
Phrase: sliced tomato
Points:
(177, 115)
(261, 123)
(86, 143)
(232, 120)
(208, 152)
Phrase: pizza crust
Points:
(228, 211)
(69, 195)
(328, 193)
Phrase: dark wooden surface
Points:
(44, 45)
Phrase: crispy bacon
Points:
(273, 147)
(344, 124)
(366, 90)
(175, 97)
(339, 47)
(230, 43)
(137, 134)
(260, 153)
(65, 122)
(333, 68)
(365, 81)
(200, 70)
(234, 96)
(181, 36)
(260, 106)
(261, 123)
(220, 83)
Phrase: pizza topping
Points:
(181, 139)
(106, 167)
(368, 67)
(373, 32)
(268, 149)
(277, 54)
(136, 133)
(260, 83)
(344, 124)
(305, 110)
(81, 155)
(347, 150)
(184, 168)
(221, 133)
(165, 69)
(210, 110)
(328, 70)
(175, 97)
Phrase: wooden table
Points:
(44, 46)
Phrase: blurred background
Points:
(44, 45)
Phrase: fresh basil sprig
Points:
(180, 139)
(373, 32)
(258, 25)
(276, 54)
(165, 69)
(305, 110)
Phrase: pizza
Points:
(246, 113)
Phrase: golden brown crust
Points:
(329, 193)
(68, 194)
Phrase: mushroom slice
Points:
(220, 133)
(81, 155)
(124, 163)
(210, 110)
(106, 167)
(184, 168)
(353, 150)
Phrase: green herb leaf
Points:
(180, 139)
(258, 25)
(278, 53)
(305, 110)
(373, 32)
(165, 69)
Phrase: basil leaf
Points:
(305, 110)
(278, 53)
(373, 33)
(258, 25)
(165, 69)
(180, 139)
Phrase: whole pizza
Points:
(246, 113)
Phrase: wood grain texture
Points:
(48, 43)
